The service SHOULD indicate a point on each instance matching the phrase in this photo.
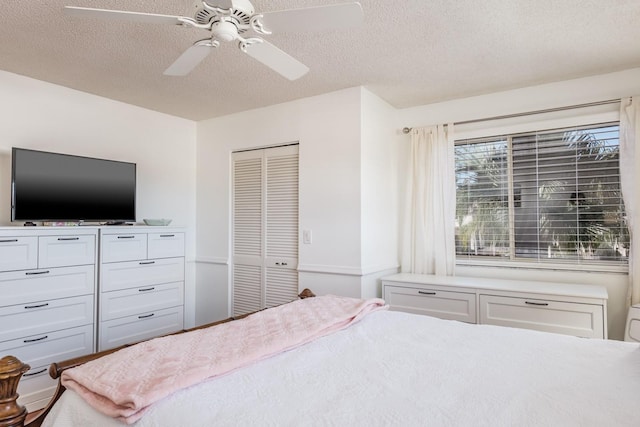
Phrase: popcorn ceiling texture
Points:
(409, 52)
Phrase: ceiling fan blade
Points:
(222, 4)
(279, 61)
(311, 19)
(189, 60)
(149, 18)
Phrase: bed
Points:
(394, 368)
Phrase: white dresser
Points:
(141, 283)
(579, 310)
(47, 301)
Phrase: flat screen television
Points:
(60, 187)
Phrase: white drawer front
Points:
(18, 253)
(123, 247)
(583, 320)
(165, 245)
(443, 304)
(17, 287)
(127, 330)
(43, 316)
(44, 349)
(60, 251)
(136, 274)
(130, 302)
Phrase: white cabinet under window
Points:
(569, 309)
(265, 228)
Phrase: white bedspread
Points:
(400, 369)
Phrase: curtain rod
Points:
(548, 110)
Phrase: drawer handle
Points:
(126, 237)
(36, 306)
(281, 263)
(36, 339)
(167, 235)
(33, 273)
(146, 316)
(30, 374)
(543, 304)
(68, 238)
(426, 293)
(9, 241)
(147, 262)
(145, 289)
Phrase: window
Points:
(547, 196)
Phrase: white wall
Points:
(380, 171)
(533, 98)
(328, 129)
(43, 116)
(566, 93)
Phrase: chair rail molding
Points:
(212, 260)
(345, 270)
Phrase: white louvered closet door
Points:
(265, 228)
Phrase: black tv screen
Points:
(60, 187)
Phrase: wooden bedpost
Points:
(306, 293)
(11, 414)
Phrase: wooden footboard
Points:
(11, 369)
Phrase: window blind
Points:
(548, 196)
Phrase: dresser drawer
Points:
(60, 251)
(165, 245)
(123, 247)
(44, 316)
(136, 274)
(127, 330)
(17, 287)
(18, 253)
(133, 301)
(44, 349)
(432, 302)
(583, 320)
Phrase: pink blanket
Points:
(124, 384)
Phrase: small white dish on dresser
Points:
(161, 221)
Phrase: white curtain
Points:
(429, 232)
(630, 182)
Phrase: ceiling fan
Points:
(230, 20)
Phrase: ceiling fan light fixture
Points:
(228, 20)
(224, 30)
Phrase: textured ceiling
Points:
(408, 52)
